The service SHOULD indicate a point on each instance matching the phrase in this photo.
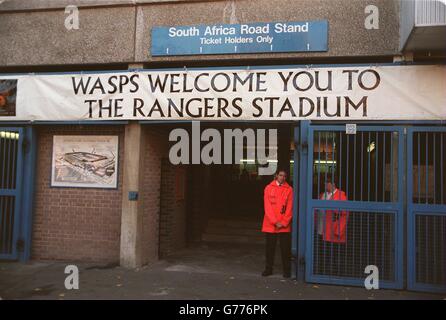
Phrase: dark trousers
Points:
(330, 258)
(285, 250)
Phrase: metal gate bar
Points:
(365, 226)
(426, 207)
(10, 186)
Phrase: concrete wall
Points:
(347, 35)
(119, 32)
(15, 5)
(40, 37)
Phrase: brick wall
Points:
(199, 202)
(156, 148)
(173, 208)
(79, 224)
(75, 224)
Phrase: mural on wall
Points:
(8, 94)
(85, 161)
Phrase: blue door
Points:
(354, 205)
(426, 209)
(11, 140)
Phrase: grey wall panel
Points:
(106, 35)
(110, 34)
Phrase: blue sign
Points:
(306, 36)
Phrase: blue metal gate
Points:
(426, 209)
(11, 141)
(354, 205)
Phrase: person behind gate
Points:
(332, 224)
(278, 202)
(331, 231)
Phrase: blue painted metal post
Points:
(302, 149)
(294, 236)
(28, 192)
(400, 217)
(11, 187)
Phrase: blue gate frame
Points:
(394, 208)
(425, 209)
(15, 192)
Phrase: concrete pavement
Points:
(203, 271)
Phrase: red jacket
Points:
(335, 225)
(278, 202)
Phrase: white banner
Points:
(416, 92)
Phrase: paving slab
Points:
(203, 271)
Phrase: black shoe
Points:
(287, 274)
(267, 273)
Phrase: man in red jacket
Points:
(278, 201)
(331, 227)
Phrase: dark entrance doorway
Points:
(234, 192)
(223, 202)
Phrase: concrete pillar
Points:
(394, 173)
(132, 209)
